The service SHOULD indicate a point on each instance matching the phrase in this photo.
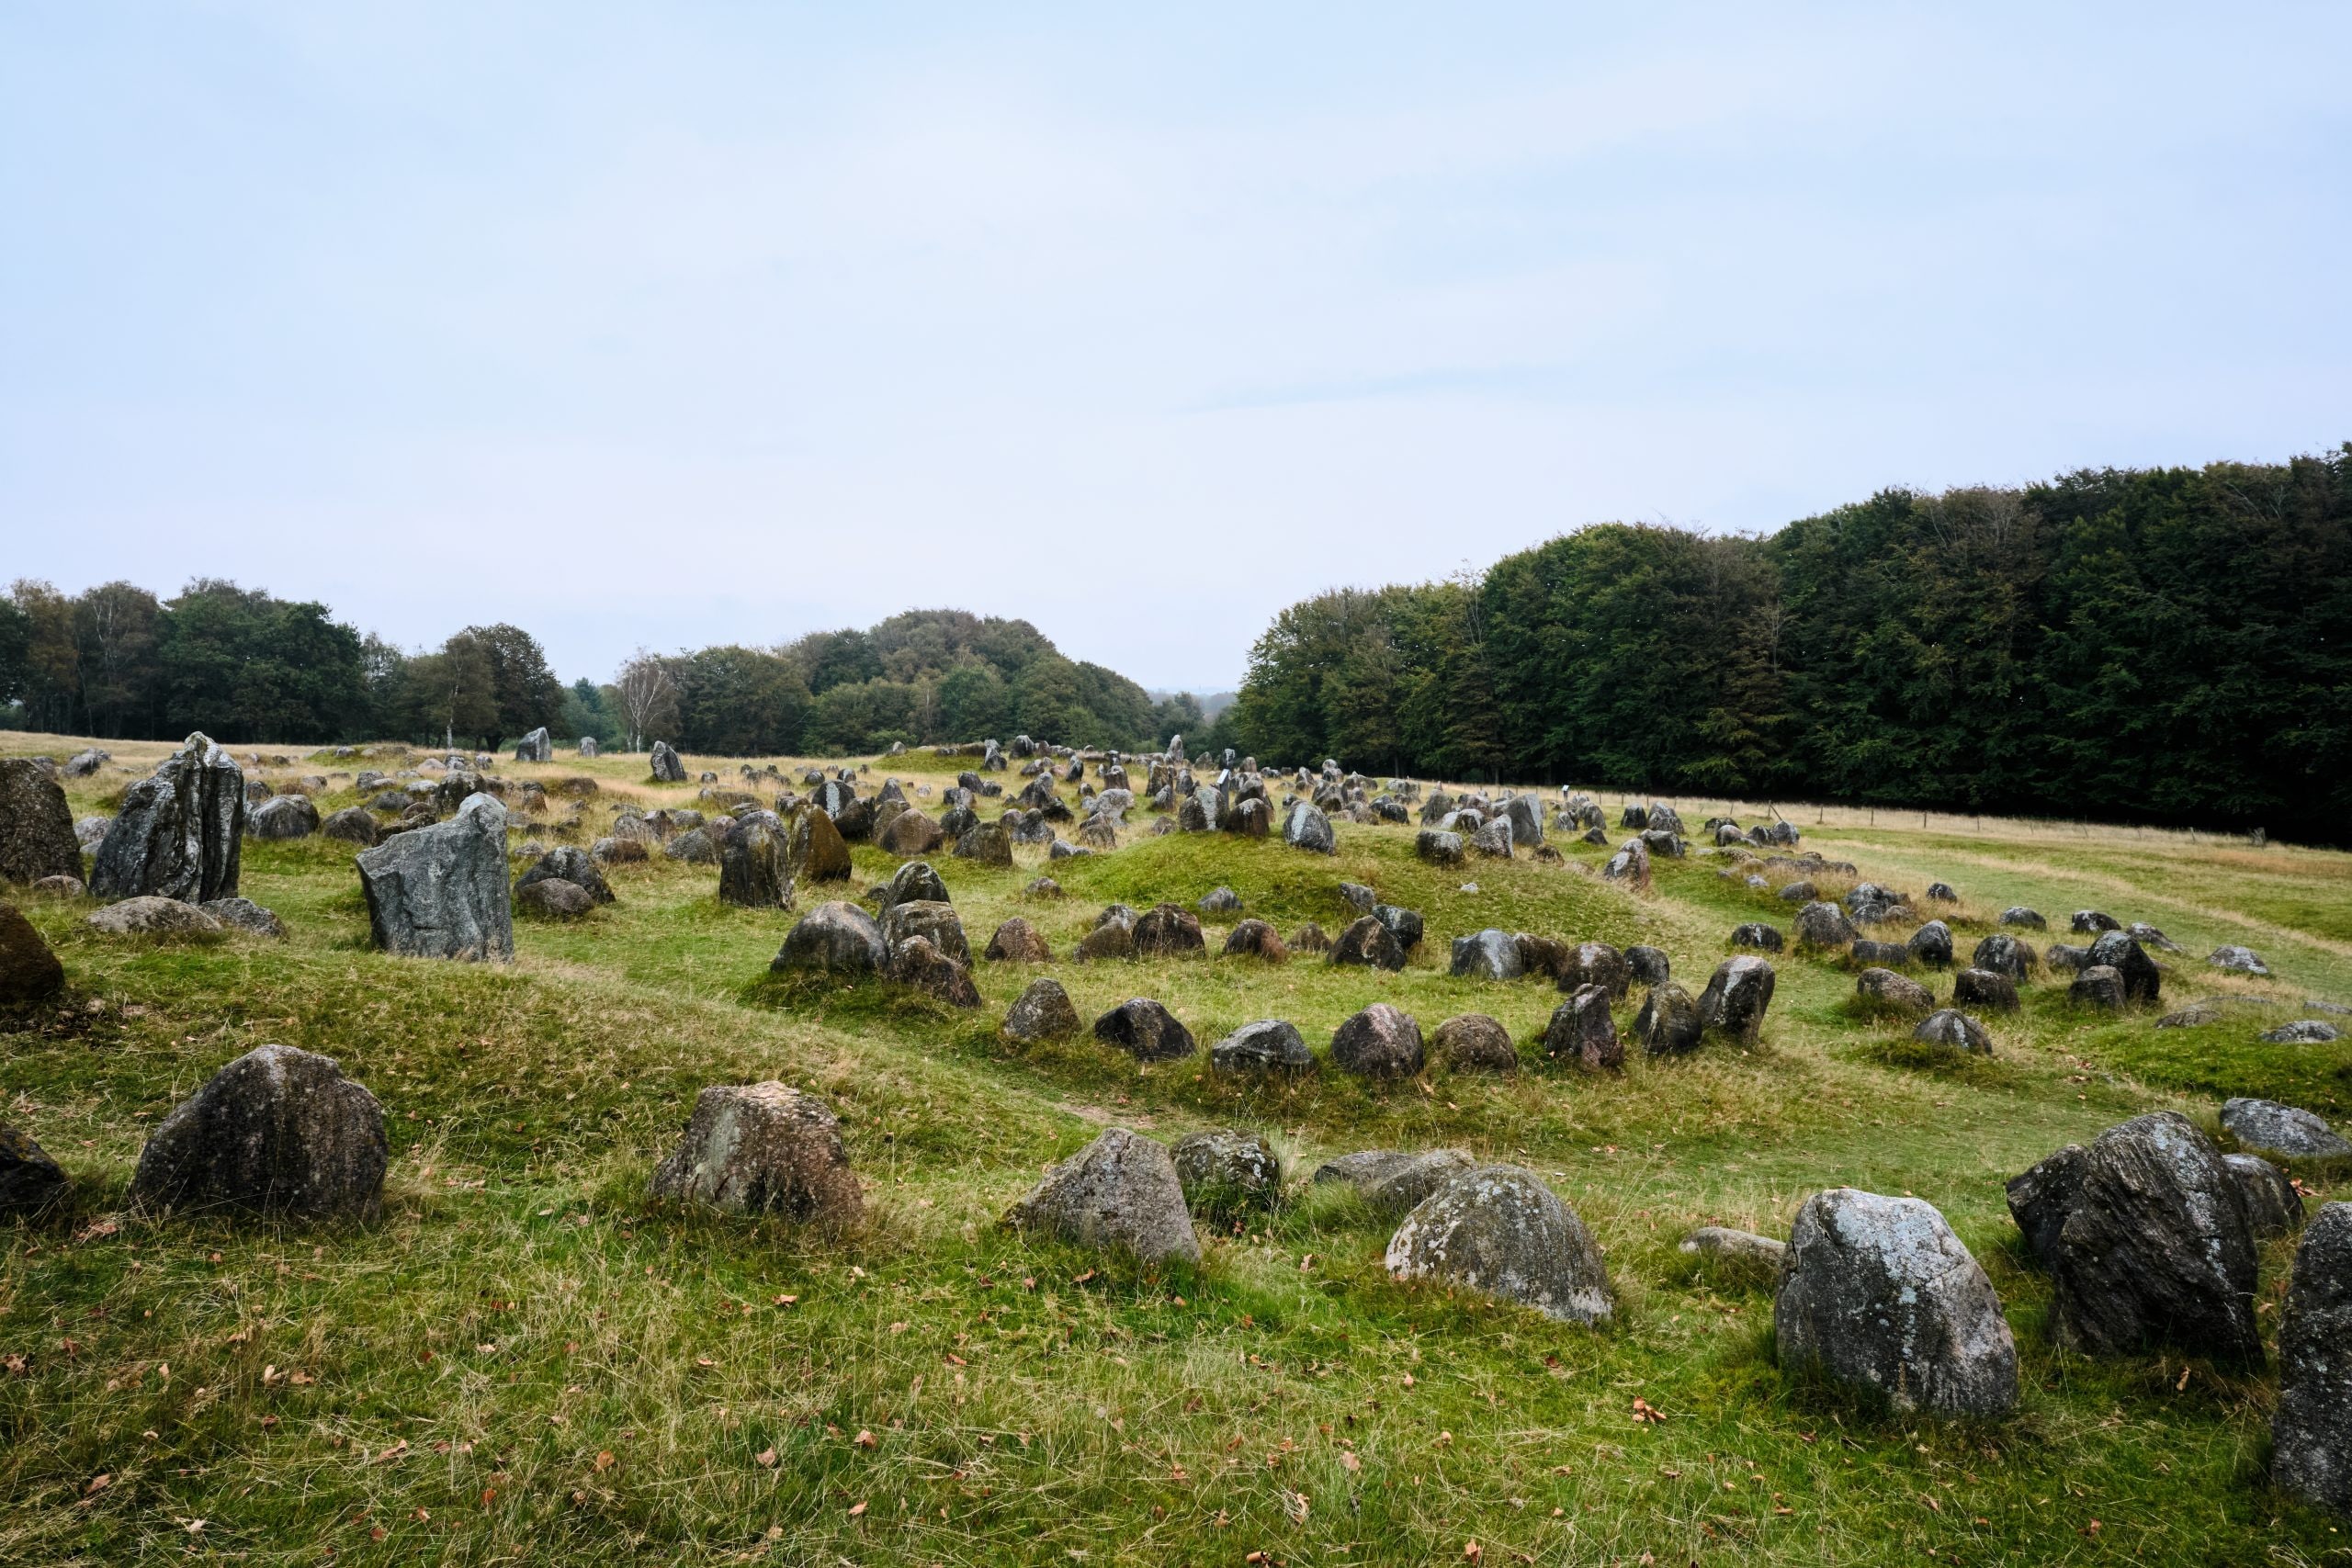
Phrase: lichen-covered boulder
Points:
(553, 898)
(989, 844)
(2120, 951)
(1583, 1031)
(287, 817)
(29, 969)
(1949, 1026)
(815, 849)
(1306, 828)
(2271, 1128)
(1984, 988)
(1168, 931)
(1224, 1170)
(1043, 1011)
(36, 836)
(915, 962)
(1254, 938)
(1310, 938)
(934, 922)
(2273, 1207)
(179, 834)
(441, 892)
(1438, 847)
(1669, 1022)
(1145, 1030)
(667, 765)
(245, 915)
(1758, 936)
(352, 825)
(1473, 1042)
(2236, 960)
(1018, 941)
(150, 916)
(1824, 926)
(1490, 954)
(1876, 1294)
(2098, 989)
(1369, 942)
(2311, 1434)
(1393, 1181)
(278, 1131)
(836, 938)
(1883, 990)
(1381, 1041)
(2155, 1249)
(1270, 1045)
(1499, 1230)
(571, 865)
(754, 870)
(30, 1182)
(1736, 998)
(1630, 865)
(1594, 964)
(1931, 945)
(1647, 965)
(1121, 1194)
(2002, 954)
(1743, 1252)
(764, 1148)
(2040, 1197)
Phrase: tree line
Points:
(243, 665)
(2169, 645)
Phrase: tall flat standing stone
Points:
(36, 829)
(179, 834)
(441, 892)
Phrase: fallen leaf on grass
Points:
(765, 1459)
(856, 1510)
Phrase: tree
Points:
(524, 690)
(740, 702)
(648, 691)
(115, 624)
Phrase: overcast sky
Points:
(673, 323)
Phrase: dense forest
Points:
(2165, 644)
(244, 665)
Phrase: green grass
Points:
(525, 1360)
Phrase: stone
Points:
(573, 866)
(150, 916)
(1255, 939)
(2098, 989)
(1582, 1030)
(1042, 888)
(1798, 892)
(440, 891)
(2273, 1207)
(1044, 1011)
(1367, 942)
(989, 843)
(1943, 893)
(2003, 954)
(2302, 1032)
(1490, 954)
(1115, 939)
(352, 825)
(1270, 1045)
(916, 962)
(2040, 1198)
(692, 846)
(1405, 925)
(278, 1131)
(1473, 1043)
(611, 851)
(1306, 828)
(1596, 964)
(1949, 1026)
(2018, 915)
(2268, 1127)
(552, 897)
(1438, 847)
(89, 833)
(1884, 990)
(1736, 996)
(1824, 926)
(1492, 840)
(2149, 936)
(667, 766)
(29, 969)
(588, 746)
(753, 871)
(1931, 945)
(934, 922)
(37, 835)
(2237, 960)
(2092, 921)
(1742, 1251)
(1309, 938)
(1630, 865)
(178, 833)
(30, 1182)
(764, 1148)
(1757, 935)
(1120, 1193)
(2155, 1250)
(245, 915)
(1381, 1041)
(1145, 1030)
(535, 747)
(2120, 951)
(914, 882)
(1984, 988)
(1499, 1230)
(61, 887)
(815, 849)
(2311, 1432)
(1647, 965)
(836, 938)
(1224, 1170)
(1877, 1294)
(1219, 901)
(84, 763)
(1394, 1182)
(1168, 931)
(1669, 1022)
(1880, 954)
(1018, 941)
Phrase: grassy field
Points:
(525, 1361)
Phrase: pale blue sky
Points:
(682, 322)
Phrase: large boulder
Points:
(1270, 1045)
(1669, 1022)
(1394, 1181)
(1883, 990)
(1307, 829)
(1224, 1170)
(278, 1131)
(1581, 1030)
(150, 916)
(1630, 865)
(913, 881)
(915, 962)
(1145, 1030)
(910, 833)
(1498, 1229)
(2275, 1128)
(668, 767)
(692, 846)
(989, 844)
(1438, 847)
(36, 836)
(1473, 1043)
(1120, 1193)
(754, 872)
(2001, 953)
(1949, 1026)
(2098, 989)
(1824, 926)
(552, 897)
(1931, 945)
(1526, 815)
(177, 835)
(1596, 964)
(2043, 1197)
(837, 938)
(2155, 1249)
(30, 970)
(1735, 999)
(1042, 1013)
(2236, 960)
(535, 747)
(1018, 941)
(441, 892)
(569, 864)
(1490, 954)
(1984, 988)
(2121, 952)
(1381, 1041)
(2273, 1207)
(1168, 931)
(815, 848)
(1369, 942)
(1253, 938)
(245, 915)
(30, 1181)
(352, 825)
(2311, 1434)
(764, 1148)
(1877, 1294)
(934, 922)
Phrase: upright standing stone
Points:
(30, 970)
(2312, 1433)
(817, 851)
(535, 747)
(587, 745)
(440, 891)
(764, 1148)
(752, 869)
(667, 766)
(278, 1131)
(29, 1180)
(36, 829)
(178, 833)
